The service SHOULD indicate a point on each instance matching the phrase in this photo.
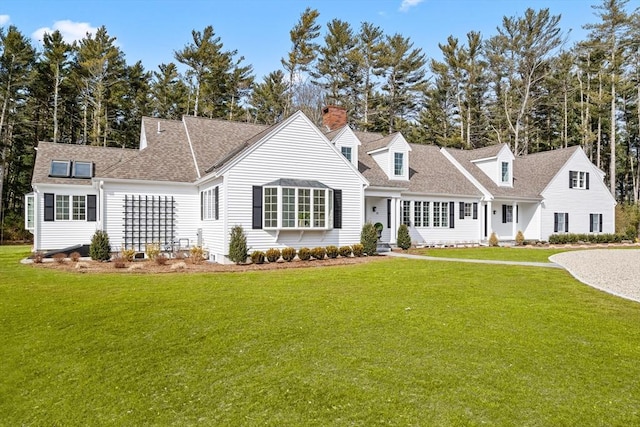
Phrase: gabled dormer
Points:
(392, 155)
(498, 167)
(347, 143)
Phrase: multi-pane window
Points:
(62, 208)
(346, 151)
(291, 207)
(398, 164)
(441, 214)
(406, 212)
(79, 208)
(579, 179)
(505, 172)
(507, 212)
(467, 209)
(210, 203)
(271, 207)
(30, 212)
(560, 222)
(421, 214)
(595, 223)
(288, 207)
(319, 208)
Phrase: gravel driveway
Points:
(616, 271)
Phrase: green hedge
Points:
(565, 238)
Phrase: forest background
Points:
(524, 86)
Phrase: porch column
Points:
(514, 227)
(489, 219)
(395, 209)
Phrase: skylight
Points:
(60, 168)
(82, 169)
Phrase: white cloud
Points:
(4, 19)
(408, 4)
(71, 31)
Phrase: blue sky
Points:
(151, 31)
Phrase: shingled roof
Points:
(103, 158)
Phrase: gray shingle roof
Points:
(103, 159)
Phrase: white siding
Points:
(214, 234)
(348, 139)
(297, 151)
(464, 231)
(578, 203)
(187, 204)
(61, 234)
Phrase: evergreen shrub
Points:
(304, 254)
(100, 249)
(332, 251)
(288, 254)
(273, 254)
(357, 249)
(345, 251)
(257, 257)
(519, 238)
(238, 245)
(318, 252)
(493, 240)
(404, 239)
(369, 239)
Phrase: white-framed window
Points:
(347, 152)
(209, 200)
(468, 209)
(579, 180)
(294, 208)
(595, 223)
(406, 212)
(421, 213)
(30, 212)
(505, 173)
(398, 164)
(441, 214)
(560, 222)
(62, 207)
(60, 168)
(82, 169)
(78, 208)
(507, 213)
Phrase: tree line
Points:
(523, 86)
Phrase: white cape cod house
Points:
(294, 184)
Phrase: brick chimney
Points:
(334, 117)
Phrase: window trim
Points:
(210, 204)
(598, 224)
(324, 216)
(505, 173)
(30, 212)
(441, 214)
(579, 180)
(349, 154)
(398, 155)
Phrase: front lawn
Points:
(501, 253)
(396, 342)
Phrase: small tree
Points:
(493, 240)
(404, 239)
(369, 239)
(100, 249)
(519, 238)
(237, 245)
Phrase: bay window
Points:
(297, 207)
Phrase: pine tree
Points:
(169, 93)
(269, 98)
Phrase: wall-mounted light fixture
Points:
(494, 212)
(374, 208)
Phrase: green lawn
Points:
(397, 342)
(492, 253)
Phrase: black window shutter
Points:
(216, 200)
(475, 210)
(257, 207)
(571, 179)
(555, 222)
(388, 213)
(201, 205)
(337, 208)
(461, 210)
(587, 180)
(452, 214)
(591, 223)
(566, 222)
(91, 207)
(600, 222)
(49, 206)
(504, 214)
(517, 214)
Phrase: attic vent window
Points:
(60, 168)
(82, 170)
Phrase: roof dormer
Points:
(392, 155)
(347, 143)
(499, 167)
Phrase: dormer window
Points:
(398, 164)
(347, 152)
(505, 173)
(82, 169)
(60, 168)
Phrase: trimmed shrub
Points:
(318, 252)
(404, 239)
(304, 254)
(288, 254)
(75, 256)
(196, 254)
(519, 238)
(493, 240)
(161, 259)
(332, 252)
(152, 250)
(369, 239)
(357, 249)
(59, 258)
(573, 238)
(118, 262)
(128, 254)
(273, 254)
(238, 245)
(345, 251)
(257, 257)
(100, 249)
